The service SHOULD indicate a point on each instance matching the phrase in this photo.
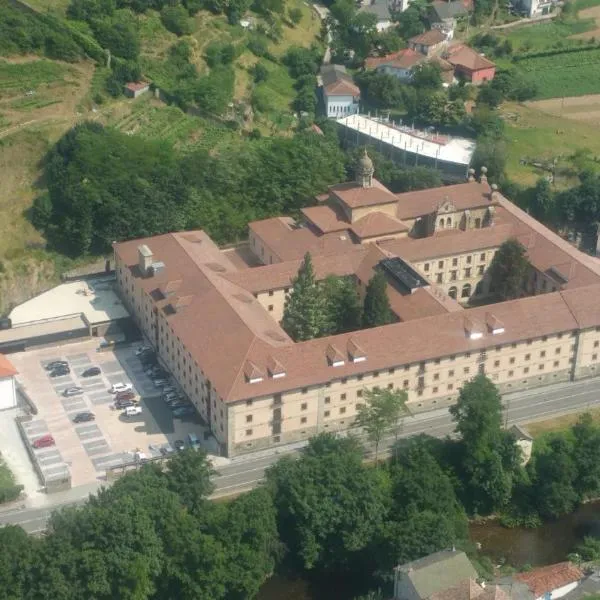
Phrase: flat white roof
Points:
(453, 150)
(95, 298)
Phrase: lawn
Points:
(57, 7)
(562, 75)
(541, 36)
(23, 76)
(561, 423)
(539, 136)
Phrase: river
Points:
(544, 545)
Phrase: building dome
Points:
(365, 170)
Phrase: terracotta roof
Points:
(423, 202)
(377, 224)
(287, 241)
(469, 589)
(423, 303)
(429, 38)
(135, 86)
(336, 82)
(326, 218)
(547, 579)
(467, 58)
(7, 369)
(355, 196)
(280, 275)
(403, 59)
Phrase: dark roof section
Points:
(337, 82)
(403, 275)
(379, 8)
(447, 10)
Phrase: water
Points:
(544, 545)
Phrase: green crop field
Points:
(29, 75)
(567, 74)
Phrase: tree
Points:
(342, 305)
(295, 15)
(304, 310)
(411, 22)
(542, 199)
(489, 95)
(555, 477)
(586, 455)
(380, 90)
(330, 506)
(260, 73)
(509, 269)
(376, 308)
(118, 34)
(176, 20)
(490, 457)
(17, 555)
(381, 412)
(300, 61)
(427, 76)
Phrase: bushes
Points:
(176, 20)
(219, 53)
(119, 35)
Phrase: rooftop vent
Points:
(275, 368)
(495, 325)
(156, 268)
(170, 288)
(559, 274)
(334, 356)
(192, 237)
(403, 275)
(356, 353)
(244, 298)
(252, 373)
(473, 329)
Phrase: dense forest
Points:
(325, 515)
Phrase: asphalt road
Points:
(246, 472)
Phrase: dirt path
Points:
(589, 13)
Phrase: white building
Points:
(341, 96)
(8, 391)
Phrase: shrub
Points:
(260, 73)
(219, 53)
(295, 15)
(176, 20)
(11, 493)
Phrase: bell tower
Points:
(364, 171)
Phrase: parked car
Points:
(184, 411)
(55, 364)
(91, 372)
(159, 382)
(168, 389)
(167, 449)
(84, 417)
(132, 411)
(121, 404)
(121, 387)
(73, 391)
(179, 445)
(44, 441)
(142, 349)
(178, 404)
(60, 371)
(193, 441)
(126, 395)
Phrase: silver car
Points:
(73, 391)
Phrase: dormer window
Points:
(335, 357)
(495, 326)
(275, 368)
(355, 352)
(473, 330)
(252, 373)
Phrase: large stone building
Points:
(214, 318)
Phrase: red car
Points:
(44, 441)
(126, 395)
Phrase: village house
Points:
(429, 43)
(444, 15)
(214, 318)
(341, 96)
(402, 63)
(469, 64)
(134, 89)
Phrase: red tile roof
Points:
(355, 196)
(547, 579)
(326, 218)
(403, 59)
(7, 369)
(135, 86)
(429, 38)
(467, 58)
(377, 224)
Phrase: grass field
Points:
(566, 74)
(561, 423)
(536, 134)
(58, 7)
(23, 76)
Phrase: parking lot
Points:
(89, 448)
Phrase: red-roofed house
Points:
(428, 43)
(8, 392)
(470, 64)
(551, 582)
(133, 89)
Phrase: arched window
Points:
(442, 223)
(466, 291)
(452, 293)
(477, 223)
(448, 222)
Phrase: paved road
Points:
(246, 472)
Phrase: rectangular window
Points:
(342, 410)
(342, 396)
(303, 420)
(375, 373)
(452, 275)
(390, 386)
(434, 390)
(482, 256)
(326, 413)
(466, 370)
(526, 370)
(440, 264)
(481, 270)
(451, 373)
(511, 373)
(405, 383)
(303, 406)
(527, 356)
(512, 360)
(436, 376)
(426, 267)
(496, 363)
(594, 357)
(542, 354)
(450, 386)
(541, 367)
(556, 363)
(305, 390)
(248, 418)
(440, 278)
(469, 260)
(454, 262)
(248, 432)
(596, 344)
(271, 292)
(391, 371)
(248, 402)
(270, 308)
(359, 394)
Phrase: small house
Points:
(341, 96)
(550, 582)
(8, 391)
(429, 43)
(444, 15)
(133, 89)
(470, 65)
(402, 63)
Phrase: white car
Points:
(132, 411)
(121, 387)
(142, 349)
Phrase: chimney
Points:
(145, 258)
(494, 194)
(483, 176)
(471, 177)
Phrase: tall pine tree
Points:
(342, 305)
(376, 310)
(304, 315)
